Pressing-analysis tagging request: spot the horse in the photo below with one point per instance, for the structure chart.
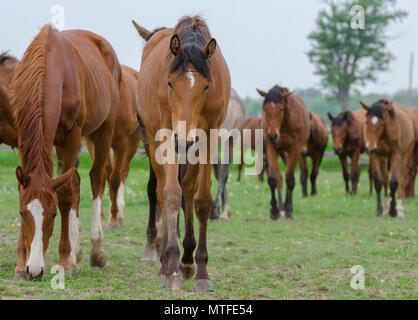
(411, 171)
(347, 134)
(317, 143)
(389, 134)
(235, 118)
(8, 133)
(183, 79)
(125, 140)
(286, 127)
(65, 87)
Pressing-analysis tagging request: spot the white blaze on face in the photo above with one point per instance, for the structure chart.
(273, 105)
(74, 236)
(375, 120)
(191, 78)
(121, 199)
(96, 225)
(36, 257)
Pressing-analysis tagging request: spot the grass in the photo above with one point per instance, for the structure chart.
(250, 257)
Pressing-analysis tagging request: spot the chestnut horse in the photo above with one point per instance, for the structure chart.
(8, 133)
(125, 140)
(286, 127)
(234, 120)
(347, 134)
(411, 171)
(389, 134)
(183, 78)
(317, 143)
(65, 87)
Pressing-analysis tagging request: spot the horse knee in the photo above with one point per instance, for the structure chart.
(203, 206)
(394, 184)
(290, 181)
(272, 181)
(172, 196)
(378, 184)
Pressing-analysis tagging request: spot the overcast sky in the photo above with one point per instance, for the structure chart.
(264, 41)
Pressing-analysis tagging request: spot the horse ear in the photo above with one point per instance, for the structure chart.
(388, 107)
(144, 33)
(22, 177)
(287, 94)
(330, 116)
(365, 106)
(64, 178)
(310, 115)
(262, 93)
(175, 45)
(209, 48)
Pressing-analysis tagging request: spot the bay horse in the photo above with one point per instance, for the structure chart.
(412, 164)
(389, 134)
(234, 120)
(348, 138)
(125, 140)
(317, 143)
(286, 127)
(65, 87)
(8, 133)
(183, 77)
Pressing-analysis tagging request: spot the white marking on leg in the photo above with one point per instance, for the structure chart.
(399, 209)
(96, 225)
(386, 206)
(36, 257)
(121, 200)
(74, 231)
(191, 78)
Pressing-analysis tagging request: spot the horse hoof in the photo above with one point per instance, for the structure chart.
(20, 276)
(149, 255)
(98, 260)
(214, 217)
(188, 270)
(203, 285)
(173, 282)
(274, 214)
(224, 217)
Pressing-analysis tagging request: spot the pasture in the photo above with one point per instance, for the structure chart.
(250, 256)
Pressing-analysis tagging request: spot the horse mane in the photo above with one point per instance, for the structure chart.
(343, 116)
(275, 94)
(154, 32)
(376, 108)
(194, 34)
(5, 56)
(28, 97)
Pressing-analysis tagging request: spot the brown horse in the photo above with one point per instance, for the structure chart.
(286, 127)
(183, 77)
(125, 140)
(8, 134)
(65, 87)
(411, 171)
(347, 134)
(317, 143)
(389, 134)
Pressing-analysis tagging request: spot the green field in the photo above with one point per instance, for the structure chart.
(250, 257)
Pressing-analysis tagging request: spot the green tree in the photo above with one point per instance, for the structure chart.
(346, 57)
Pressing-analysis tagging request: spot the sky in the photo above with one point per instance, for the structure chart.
(264, 42)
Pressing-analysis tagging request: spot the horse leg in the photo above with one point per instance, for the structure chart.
(316, 161)
(355, 171)
(101, 140)
(303, 175)
(187, 265)
(218, 169)
(370, 176)
(226, 213)
(343, 160)
(273, 179)
(290, 181)
(20, 273)
(377, 182)
(226, 210)
(203, 204)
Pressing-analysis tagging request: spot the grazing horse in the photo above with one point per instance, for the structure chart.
(235, 118)
(125, 140)
(389, 134)
(411, 171)
(286, 127)
(317, 143)
(347, 134)
(8, 134)
(183, 79)
(65, 87)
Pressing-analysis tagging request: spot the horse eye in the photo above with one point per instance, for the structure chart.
(206, 88)
(170, 84)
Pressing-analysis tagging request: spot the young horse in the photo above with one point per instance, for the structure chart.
(317, 143)
(183, 77)
(65, 87)
(389, 133)
(287, 127)
(411, 170)
(235, 118)
(347, 134)
(125, 140)
(8, 134)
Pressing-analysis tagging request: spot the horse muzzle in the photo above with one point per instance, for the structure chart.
(371, 151)
(274, 138)
(338, 151)
(34, 273)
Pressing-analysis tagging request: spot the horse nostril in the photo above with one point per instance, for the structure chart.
(338, 151)
(273, 138)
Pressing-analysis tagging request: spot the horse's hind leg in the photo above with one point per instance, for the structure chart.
(316, 162)
(355, 171)
(101, 140)
(218, 169)
(303, 175)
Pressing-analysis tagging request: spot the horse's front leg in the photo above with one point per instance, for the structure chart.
(303, 175)
(343, 160)
(217, 167)
(290, 180)
(396, 207)
(20, 273)
(355, 171)
(376, 162)
(274, 180)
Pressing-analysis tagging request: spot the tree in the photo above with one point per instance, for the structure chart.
(346, 57)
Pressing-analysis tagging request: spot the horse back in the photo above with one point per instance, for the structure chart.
(298, 124)
(319, 133)
(403, 132)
